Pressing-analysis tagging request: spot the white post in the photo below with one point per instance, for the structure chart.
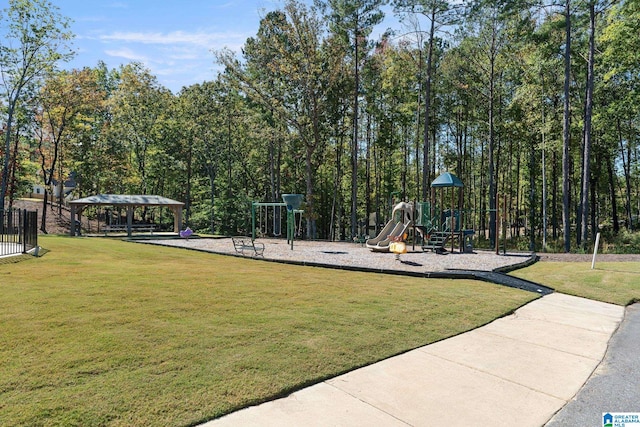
(595, 251)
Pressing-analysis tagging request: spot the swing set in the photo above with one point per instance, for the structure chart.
(267, 219)
(261, 216)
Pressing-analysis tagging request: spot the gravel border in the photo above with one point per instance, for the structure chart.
(354, 256)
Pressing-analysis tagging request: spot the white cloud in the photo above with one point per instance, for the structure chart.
(127, 54)
(117, 5)
(203, 39)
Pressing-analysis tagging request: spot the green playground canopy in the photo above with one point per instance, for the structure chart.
(447, 179)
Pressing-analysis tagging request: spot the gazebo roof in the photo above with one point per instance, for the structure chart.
(126, 200)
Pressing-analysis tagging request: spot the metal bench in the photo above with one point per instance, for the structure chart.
(245, 243)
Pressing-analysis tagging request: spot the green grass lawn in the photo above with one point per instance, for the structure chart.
(105, 332)
(614, 282)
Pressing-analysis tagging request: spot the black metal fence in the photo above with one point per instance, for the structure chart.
(18, 231)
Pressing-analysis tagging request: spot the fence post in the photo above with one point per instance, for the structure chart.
(23, 225)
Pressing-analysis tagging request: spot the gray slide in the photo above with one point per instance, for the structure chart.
(382, 235)
(393, 229)
(384, 239)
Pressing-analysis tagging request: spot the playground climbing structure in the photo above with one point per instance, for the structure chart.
(395, 230)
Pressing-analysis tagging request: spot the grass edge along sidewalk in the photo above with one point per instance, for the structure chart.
(612, 282)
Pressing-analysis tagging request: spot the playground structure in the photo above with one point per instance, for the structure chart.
(443, 227)
(453, 228)
(292, 204)
(436, 227)
(395, 229)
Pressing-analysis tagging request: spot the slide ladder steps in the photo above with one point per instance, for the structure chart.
(437, 241)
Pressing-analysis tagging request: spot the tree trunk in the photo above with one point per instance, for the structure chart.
(211, 170)
(554, 197)
(274, 180)
(310, 205)
(483, 189)
(427, 106)
(612, 191)
(47, 176)
(337, 200)
(566, 133)
(7, 154)
(368, 174)
(61, 181)
(354, 142)
(544, 186)
(586, 160)
(14, 166)
(419, 191)
(532, 198)
(626, 166)
(43, 218)
(493, 187)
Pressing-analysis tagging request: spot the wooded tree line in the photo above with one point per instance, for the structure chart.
(534, 105)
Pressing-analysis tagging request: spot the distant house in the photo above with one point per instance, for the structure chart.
(37, 191)
(68, 186)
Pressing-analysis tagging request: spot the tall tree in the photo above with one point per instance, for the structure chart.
(587, 137)
(97, 158)
(34, 37)
(204, 123)
(353, 21)
(566, 132)
(621, 55)
(302, 70)
(141, 109)
(67, 99)
(438, 13)
(485, 47)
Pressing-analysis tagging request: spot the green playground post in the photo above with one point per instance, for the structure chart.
(293, 202)
(290, 224)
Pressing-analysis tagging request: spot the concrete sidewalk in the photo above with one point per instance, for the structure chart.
(615, 385)
(516, 371)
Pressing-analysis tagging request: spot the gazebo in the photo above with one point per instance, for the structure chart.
(129, 202)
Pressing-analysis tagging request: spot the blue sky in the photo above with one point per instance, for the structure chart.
(173, 38)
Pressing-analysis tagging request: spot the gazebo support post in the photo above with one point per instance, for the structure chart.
(177, 219)
(72, 226)
(78, 220)
(76, 214)
(129, 219)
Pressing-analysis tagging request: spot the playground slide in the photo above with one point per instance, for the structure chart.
(394, 228)
(382, 235)
(383, 245)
